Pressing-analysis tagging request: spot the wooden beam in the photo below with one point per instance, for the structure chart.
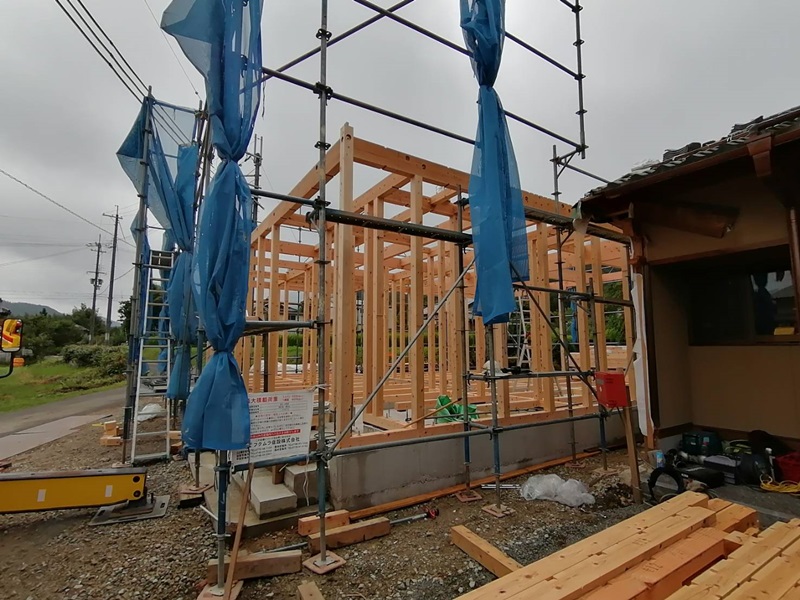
(353, 533)
(274, 306)
(415, 306)
(344, 323)
(259, 564)
(333, 520)
(490, 558)
(600, 317)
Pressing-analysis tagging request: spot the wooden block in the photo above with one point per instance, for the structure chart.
(492, 559)
(718, 504)
(735, 540)
(752, 531)
(351, 534)
(736, 518)
(592, 562)
(333, 520)
(209, 592)
(665, 573)
(308, 590)
(110, 428)
(111, 440)
(260, 564)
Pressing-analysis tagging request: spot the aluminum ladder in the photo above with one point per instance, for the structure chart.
(152, 374)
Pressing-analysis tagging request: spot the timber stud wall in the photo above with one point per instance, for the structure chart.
(399, 278)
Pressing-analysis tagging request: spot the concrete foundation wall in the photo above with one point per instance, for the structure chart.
(379, 476)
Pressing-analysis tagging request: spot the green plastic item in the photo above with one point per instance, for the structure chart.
(454, 412)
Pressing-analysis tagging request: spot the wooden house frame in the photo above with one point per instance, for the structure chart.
(398, 278)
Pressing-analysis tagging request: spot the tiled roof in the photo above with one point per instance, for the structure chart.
(695, 152)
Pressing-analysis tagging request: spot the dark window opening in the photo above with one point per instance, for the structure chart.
(742, 298)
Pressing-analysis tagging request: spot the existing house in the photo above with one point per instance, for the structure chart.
(716, 252)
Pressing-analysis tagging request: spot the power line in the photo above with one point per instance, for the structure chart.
(58, 204)
(171, 49)
(25, 260)
(119, 71)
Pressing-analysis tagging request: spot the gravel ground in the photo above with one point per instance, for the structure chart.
(57, 556)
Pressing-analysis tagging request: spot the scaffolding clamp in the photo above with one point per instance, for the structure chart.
(323, 33)
(320, 88)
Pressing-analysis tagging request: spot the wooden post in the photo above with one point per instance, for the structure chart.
(415, 316)
(480, 353)
(456, 336)
(344, 323)
(597, 287)
(274, 305)
(629, 332)
(392, 320)
(258, 312)
(432, 328)
(285, 336)
(443, 324)
(501, 357)
(402, 332)
(378, 316)
(544, 337)
(369, 308)
(579, 264)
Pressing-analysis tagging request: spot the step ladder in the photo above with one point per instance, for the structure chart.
(519, 343)
(150, 439)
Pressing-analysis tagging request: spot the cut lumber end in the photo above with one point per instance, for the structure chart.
(491, 558)
(351, 534)
(337, 518)
(308, 590)
(735, 518)
(259, 564)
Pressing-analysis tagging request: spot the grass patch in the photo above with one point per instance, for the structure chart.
(49, 381)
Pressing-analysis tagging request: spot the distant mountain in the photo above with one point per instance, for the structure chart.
(21, 309)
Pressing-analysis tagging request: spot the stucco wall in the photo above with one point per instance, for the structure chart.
(746, 387)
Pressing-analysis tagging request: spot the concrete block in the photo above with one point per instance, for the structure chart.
(302, 480)
(270, 499)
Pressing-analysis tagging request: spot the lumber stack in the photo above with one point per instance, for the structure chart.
(685, 549)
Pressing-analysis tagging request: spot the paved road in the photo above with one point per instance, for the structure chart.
(98, 403)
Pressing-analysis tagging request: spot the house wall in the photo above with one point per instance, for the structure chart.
(729, 387)
(746, 387)
(761, 223)
(670, 341)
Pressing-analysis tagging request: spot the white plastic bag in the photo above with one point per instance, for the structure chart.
(552, 487)
(150, 411)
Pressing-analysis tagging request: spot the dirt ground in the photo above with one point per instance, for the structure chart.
(55, 555)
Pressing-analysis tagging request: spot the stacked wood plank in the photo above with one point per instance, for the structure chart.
(685, 549)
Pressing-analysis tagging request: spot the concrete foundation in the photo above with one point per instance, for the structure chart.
(371, 478)
(302, 480)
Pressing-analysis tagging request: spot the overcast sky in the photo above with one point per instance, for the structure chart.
(659, 74)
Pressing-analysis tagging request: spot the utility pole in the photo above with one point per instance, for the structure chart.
(96, 283)
(116, 218)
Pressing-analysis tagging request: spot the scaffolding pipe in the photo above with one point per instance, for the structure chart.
(339, 38)
(593, 317)
(141, 228)
(400, 357)
(464, 339)
(322, 366)
(494, 431)
(223, 472)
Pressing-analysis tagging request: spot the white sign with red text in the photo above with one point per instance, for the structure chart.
(280, 426)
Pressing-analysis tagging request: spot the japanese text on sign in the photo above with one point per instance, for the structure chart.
(280, 426)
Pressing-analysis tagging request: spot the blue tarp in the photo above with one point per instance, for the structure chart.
(171, 162)
(222, 39)
(495, 197)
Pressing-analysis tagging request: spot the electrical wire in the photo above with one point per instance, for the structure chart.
(171, 49)
(58, 204)
(134, 81)
(25, 260)
(784, 487)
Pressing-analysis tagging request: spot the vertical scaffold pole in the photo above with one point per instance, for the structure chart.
(495, 432)
(322, 362)
(464, 337)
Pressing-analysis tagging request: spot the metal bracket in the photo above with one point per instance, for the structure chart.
(323, 89)
(323, 33)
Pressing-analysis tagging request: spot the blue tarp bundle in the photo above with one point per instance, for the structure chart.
(222, 39)
(168, 195)
(495, 197)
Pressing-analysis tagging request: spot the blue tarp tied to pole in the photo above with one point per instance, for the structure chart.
(495, 196)
(169, 190)
(222, 39)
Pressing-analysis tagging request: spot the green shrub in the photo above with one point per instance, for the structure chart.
(106, 361)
